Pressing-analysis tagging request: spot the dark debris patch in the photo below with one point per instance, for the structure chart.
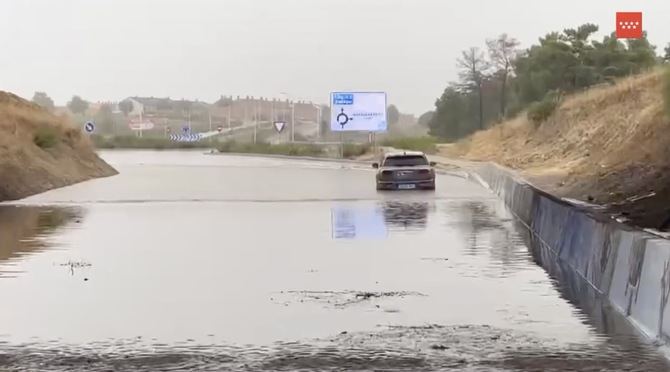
(338, 298)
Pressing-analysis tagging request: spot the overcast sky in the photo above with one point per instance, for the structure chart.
(111, 49)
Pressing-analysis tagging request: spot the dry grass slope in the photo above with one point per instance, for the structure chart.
(40, 151)
(608, 144)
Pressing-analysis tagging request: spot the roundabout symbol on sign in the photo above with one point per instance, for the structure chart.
(343, 118)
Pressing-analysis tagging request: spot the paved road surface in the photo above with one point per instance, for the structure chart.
(197, 262)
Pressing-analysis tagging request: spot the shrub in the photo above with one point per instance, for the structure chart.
(351, 150)
(135, 142)
(266, 148)
(425, 144)
(540, 111)
(45, 137)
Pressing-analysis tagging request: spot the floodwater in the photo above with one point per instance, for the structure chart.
(186, 261)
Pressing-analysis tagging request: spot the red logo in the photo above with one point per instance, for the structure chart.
(629, 25)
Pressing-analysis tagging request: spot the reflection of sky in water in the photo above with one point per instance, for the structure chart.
(358, 222)
(374, 221)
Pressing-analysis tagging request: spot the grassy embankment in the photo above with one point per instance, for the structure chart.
(40, 151)
(426, 144)
(609, 145)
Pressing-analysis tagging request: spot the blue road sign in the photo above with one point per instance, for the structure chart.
(89, 127)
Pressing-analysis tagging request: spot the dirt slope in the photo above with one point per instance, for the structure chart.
(608, 145)
(26, 168)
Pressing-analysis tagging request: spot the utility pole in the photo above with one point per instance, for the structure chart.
(189, 121)
(211, 137)
(318, 122)
(272, 112)
(229, 107)
(292, 121)
(255, 123)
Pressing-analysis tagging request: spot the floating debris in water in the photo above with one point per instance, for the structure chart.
(76, 265)
(342, 298)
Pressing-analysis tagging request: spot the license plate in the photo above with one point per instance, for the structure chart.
(407, 186)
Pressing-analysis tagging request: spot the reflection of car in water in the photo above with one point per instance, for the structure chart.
(406, 214)
(405, 170)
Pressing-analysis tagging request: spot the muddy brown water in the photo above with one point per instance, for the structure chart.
(186, 261)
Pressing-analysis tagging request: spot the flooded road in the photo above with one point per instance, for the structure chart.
(187, 261)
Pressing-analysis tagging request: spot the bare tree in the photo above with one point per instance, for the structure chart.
(502, 52)
(473, 65)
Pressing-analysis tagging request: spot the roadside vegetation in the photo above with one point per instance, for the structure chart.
(607, 145)
(540, 111)
(350, 150)
(266, 148)
(354, 150)
(501, 81)
(666, 88)
(426, 144)
(46, 137)
(135, 142)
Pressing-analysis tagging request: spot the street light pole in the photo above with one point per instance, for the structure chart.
(288, 100)
(318, 121)
(292, 122)
(256, 123)
(229, 106)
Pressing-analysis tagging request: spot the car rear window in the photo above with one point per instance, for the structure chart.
(405, 161)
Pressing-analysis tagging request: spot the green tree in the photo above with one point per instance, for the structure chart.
(43, 100)
(666, 57)
(126, 106)
(473, 66)
(393, 115)
(77, 105)
(641, 54)
(452, 119)
(425, 118)
(502, 52)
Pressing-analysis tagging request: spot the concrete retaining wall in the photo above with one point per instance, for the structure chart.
(629, 268)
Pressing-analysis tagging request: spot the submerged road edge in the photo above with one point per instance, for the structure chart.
(628, 267)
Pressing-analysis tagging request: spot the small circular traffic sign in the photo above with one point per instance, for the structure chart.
(342, 118)
(89, 127)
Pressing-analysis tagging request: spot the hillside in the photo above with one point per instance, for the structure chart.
(608, 146)
(40, 151)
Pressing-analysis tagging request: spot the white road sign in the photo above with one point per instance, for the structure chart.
(358, 111)
(135, 124)
(279, 126)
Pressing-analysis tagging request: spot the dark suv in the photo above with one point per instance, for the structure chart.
(405, 170)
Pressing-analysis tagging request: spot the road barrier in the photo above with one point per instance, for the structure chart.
(626, 267)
